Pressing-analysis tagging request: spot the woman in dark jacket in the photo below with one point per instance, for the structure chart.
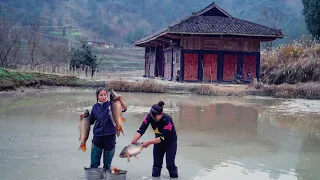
(104, 131)
(165, 141)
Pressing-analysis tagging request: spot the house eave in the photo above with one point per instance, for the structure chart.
(141, 43)
(231, 34)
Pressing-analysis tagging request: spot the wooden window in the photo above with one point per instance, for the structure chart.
(152, 59)
(167, 57)
(177, 58)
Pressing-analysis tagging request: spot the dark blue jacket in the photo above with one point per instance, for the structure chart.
(101, 117)
(164, 128)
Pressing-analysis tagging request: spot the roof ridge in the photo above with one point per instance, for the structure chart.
(178, 21)
(235, 19)
(211, 6)
(279, 30)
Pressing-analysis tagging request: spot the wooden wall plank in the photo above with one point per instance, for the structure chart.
(152, 63)
(176, 66)
(167, 63)
(217, 43)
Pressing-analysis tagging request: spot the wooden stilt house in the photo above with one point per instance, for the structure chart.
(209, 45)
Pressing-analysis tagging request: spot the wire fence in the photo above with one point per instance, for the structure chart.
(100, 74)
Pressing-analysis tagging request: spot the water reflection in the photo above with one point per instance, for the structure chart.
(309, 123)
(218, 137)
(230, 170)
(212, 115)
(268, 145)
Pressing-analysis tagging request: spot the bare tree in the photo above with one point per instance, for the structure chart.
(33, 42)
(273, 18)
(28, 44)
(54, 53)
(9, 36)
(15, 57)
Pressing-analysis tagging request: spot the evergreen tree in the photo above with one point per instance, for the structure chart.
(311, 12)
(85, 57)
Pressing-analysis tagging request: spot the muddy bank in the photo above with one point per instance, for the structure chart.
(301, 90)
(11, 80)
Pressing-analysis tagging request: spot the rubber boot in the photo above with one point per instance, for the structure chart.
(156, 172)
(173, 172)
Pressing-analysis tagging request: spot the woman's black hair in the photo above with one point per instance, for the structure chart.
(99, 90)
(157, 109)
(161, 103)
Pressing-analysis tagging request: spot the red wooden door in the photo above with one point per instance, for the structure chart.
(229, 66)
(210, 67)
(249, 65)
(190, 67)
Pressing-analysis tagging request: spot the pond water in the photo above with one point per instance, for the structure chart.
(218, 137)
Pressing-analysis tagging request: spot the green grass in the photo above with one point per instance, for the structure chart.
(118, 64)
(13, 79)
(16, 75)
(57, 33)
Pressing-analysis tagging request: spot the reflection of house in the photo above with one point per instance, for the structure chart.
(233, 140)
(240, 118)
(208, 45)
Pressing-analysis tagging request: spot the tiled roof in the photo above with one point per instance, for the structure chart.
(222, 23)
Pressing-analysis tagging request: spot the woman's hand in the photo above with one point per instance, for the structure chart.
(124, 106)
(135, 138)
(145, 144)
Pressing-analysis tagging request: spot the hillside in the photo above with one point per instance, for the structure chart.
(122, 21)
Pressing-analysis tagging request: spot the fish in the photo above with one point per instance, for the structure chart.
(131, 150)
(116, 111)
(84, 129)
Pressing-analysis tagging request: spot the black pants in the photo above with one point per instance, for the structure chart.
(170, 149)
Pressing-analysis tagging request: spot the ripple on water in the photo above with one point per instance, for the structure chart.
(232, 169)
(297, 106)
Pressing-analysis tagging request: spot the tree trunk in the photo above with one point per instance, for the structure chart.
(92, 72)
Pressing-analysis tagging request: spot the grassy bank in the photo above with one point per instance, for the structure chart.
(301, 90)
(10, 80)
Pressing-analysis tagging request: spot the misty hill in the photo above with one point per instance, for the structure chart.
(122, 21)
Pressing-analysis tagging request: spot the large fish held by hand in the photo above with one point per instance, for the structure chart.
(131, 150)
(116, 109)
(84, 130)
